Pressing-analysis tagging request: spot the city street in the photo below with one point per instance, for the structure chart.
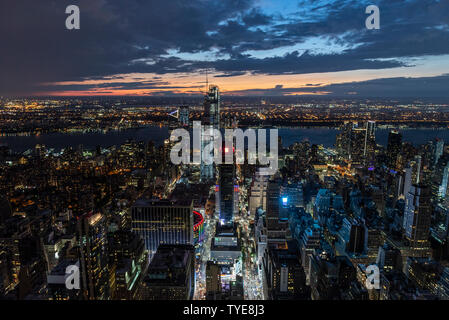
(252, 284)
(202, 256)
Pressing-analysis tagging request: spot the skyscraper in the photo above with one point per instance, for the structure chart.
(417, 216)
(127, 263)
(212, 106)
(257, 197)
(439, 178)
(343, 141)
(416, 169)
(285, 276)
(358, 144)
(439, 148)
(357, 141)
(407, 180)
(442, 188)
(210, 121)
(92, 242)
(276, 229)
(352, 236)
(226, 190)
(370, 142)
(163, 222)
(393, 148)
(213, 281)
(388, 258)
(184, 116)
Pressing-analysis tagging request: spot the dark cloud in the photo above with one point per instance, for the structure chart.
(424, 87)
(230, 74)
(296, 63)
(36, 46)
(256, 18)
(135, 36)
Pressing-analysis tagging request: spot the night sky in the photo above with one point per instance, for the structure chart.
(249, 47)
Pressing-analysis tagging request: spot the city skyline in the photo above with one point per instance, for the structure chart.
(224, 150)
(355, 220)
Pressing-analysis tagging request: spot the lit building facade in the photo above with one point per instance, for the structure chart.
(417, 216)
(163, 222)
(93, 252)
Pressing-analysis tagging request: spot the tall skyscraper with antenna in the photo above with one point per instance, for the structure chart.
(211, 120)
(417, 217)
(212, 107)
